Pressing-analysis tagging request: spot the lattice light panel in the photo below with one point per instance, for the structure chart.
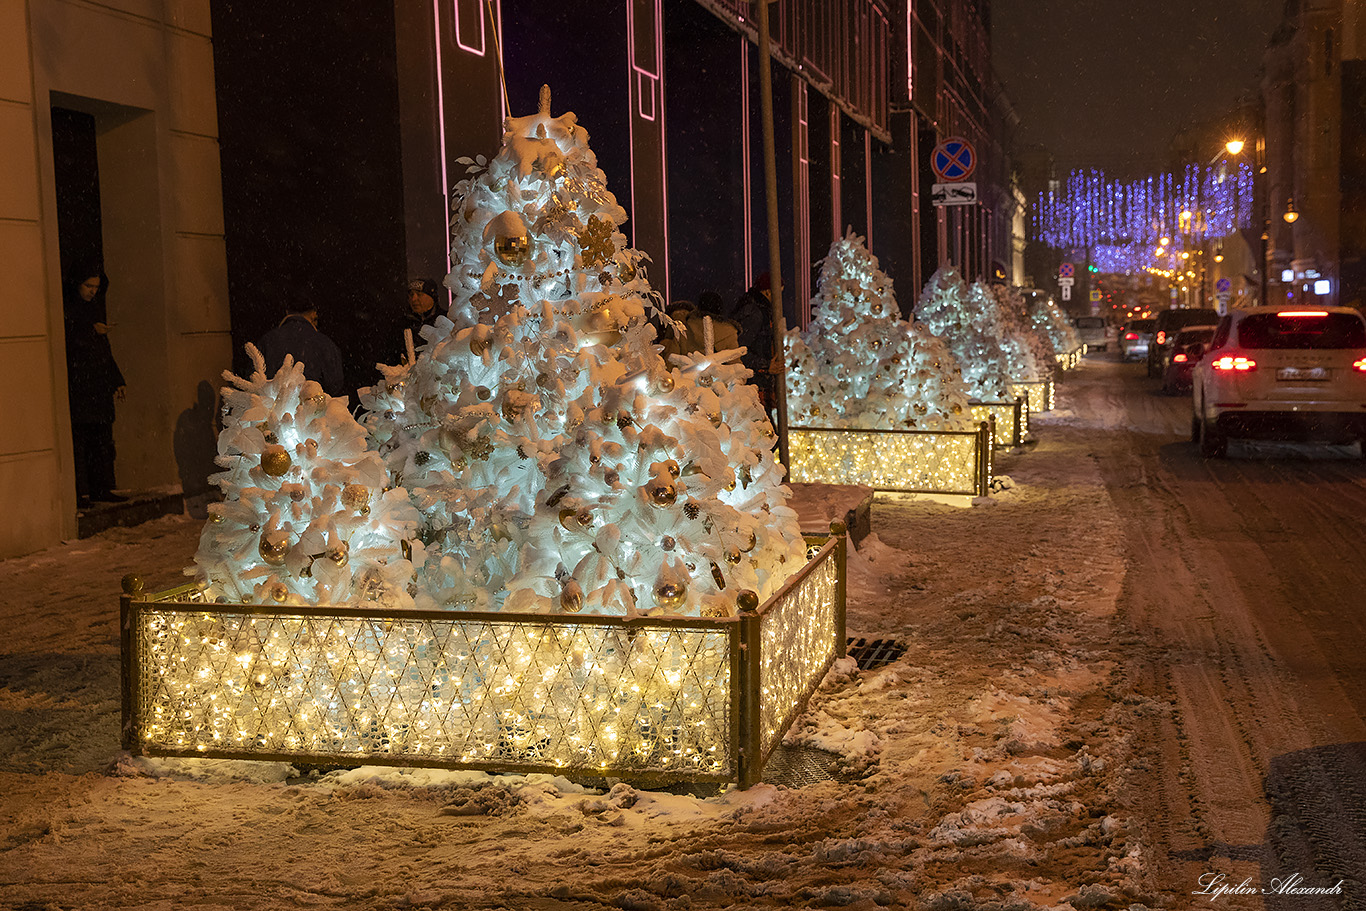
(907, 460)
(1012, 420)
(1038, 396)
(652, 697)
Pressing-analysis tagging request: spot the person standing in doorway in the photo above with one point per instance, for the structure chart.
(94, 384)
(298, 335)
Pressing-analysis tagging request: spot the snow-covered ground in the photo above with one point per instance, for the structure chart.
(985, 769)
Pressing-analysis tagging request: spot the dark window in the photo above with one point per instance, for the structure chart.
(1221, 332)
(1334, 330)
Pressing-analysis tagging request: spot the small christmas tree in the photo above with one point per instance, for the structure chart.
(559, 464)
(307, 515)
(968, 322)
(860, 365)
(1053, 327)
(1031, 358)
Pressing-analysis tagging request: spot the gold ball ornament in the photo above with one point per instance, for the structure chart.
(479, 449)
(478, 346)
(667, 542)
(279, 592)
(663, 495)
(275, 461)
(339, 553)
(511, 250)
(354, 496)
(273, 552)
(671, 595)
(132, 585)
(733, 556)
(715, 611)
(665, 384)
(571, 598)
(747, 601)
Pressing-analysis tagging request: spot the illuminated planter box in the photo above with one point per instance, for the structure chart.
(650, 699)
(1071, 359)
(1039, 396)
(1011, 419)
(914, 461)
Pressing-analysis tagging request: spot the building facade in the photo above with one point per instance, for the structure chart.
(109, 147)
(245, 154)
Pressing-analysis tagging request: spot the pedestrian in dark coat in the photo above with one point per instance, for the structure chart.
(298, 335)
(426, 301)
(94, 383)
(754, 314)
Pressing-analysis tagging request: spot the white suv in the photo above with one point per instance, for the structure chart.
(1282, 373)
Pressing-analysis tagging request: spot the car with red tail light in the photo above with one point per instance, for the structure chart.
(1284, 373)
(1134, 338)
(1187, 349)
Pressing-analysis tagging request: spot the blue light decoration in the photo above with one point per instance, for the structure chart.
(1123, 222)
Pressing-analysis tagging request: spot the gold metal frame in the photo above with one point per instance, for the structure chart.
(980, 468)
(746, 748)
(1011, 420)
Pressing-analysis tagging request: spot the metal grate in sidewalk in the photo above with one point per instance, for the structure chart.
(873, 654)
(797, 767)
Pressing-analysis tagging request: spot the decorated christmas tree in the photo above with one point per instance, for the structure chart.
(1053, 326)
(1030, 357)
(859, 364)
(558, 463)
(307, 515)
(968, 321)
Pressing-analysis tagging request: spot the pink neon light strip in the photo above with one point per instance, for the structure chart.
(745, 182)
(441, 126)
(460, 38)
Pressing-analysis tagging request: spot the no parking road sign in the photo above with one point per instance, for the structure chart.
(1066, 270)
(954, 160)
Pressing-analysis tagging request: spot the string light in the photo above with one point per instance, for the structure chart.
(1129, 219)
(915, 461)
(536, 691)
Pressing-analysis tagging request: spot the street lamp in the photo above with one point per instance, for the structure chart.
(1234, 146)
(1290, 213)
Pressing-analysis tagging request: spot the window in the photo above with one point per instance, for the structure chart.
(1332, 330)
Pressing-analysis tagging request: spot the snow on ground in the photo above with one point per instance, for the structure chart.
(986, 768)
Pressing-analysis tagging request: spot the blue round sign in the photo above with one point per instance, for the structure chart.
(1222, 285)
(954, 160)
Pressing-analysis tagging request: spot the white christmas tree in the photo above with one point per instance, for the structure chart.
(307, 515)
(859, 364)
(558, 462)
(1031, 358)
(1053, 326)
(968, 322)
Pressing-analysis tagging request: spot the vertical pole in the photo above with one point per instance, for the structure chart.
(775, 259)
(985, 435)
(129, 667)
(750, 770)
(837, 531)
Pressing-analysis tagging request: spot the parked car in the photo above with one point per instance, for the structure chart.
(1094, 331)
(1282, 373)
(1165, 326)
(1189, 347)
(1134, 337)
